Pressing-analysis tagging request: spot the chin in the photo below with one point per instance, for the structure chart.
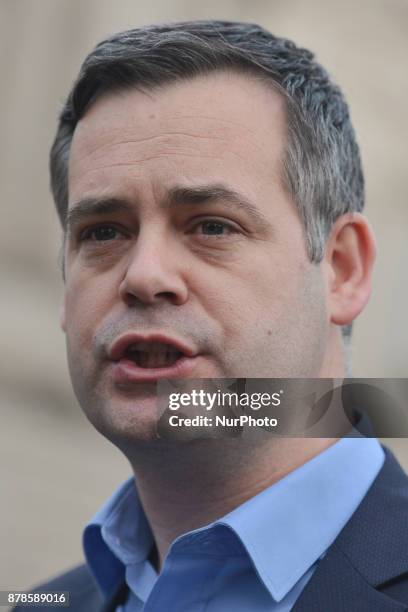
(124, 417)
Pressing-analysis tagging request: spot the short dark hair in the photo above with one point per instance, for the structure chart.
(322, 167)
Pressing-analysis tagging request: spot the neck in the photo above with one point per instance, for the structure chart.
(186, 486)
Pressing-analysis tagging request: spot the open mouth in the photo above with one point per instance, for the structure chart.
(152, 354)
(135, 358)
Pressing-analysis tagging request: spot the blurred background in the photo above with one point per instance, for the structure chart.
(55, 470)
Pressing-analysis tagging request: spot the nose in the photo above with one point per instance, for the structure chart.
(153, 273)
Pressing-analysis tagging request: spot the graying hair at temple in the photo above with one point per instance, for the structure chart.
(322, 167)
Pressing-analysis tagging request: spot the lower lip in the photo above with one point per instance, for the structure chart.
(126, 371)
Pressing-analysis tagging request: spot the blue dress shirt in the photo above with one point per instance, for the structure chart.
(259, 557)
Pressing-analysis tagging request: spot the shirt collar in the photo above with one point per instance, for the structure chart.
(117, 535)
(289, 526)
(284, 529)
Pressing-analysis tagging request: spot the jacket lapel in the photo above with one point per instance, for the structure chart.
(370, 551)
(337, 587)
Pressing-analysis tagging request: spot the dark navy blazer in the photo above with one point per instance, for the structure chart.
(364, 570)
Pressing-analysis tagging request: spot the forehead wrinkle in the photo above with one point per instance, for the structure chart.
(156, 136)
(148, 139)
(87, 165)
(166, 136)
(163, 142)
(131, 163)
(210, 133)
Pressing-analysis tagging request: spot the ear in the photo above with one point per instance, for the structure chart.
(348, 261)
(62, 316)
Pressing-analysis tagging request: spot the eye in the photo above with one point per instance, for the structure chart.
(100, 233)
(215, 227)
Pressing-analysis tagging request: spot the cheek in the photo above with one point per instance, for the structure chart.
(264, 298)
(86, 302)
(264, 287)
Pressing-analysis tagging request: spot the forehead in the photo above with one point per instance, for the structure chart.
(227, 125)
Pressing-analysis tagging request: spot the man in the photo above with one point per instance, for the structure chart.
(209, 185)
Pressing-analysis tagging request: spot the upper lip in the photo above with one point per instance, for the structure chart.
(119, 347)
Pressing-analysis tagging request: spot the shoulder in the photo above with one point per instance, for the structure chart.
(366, 567)
(78, 581)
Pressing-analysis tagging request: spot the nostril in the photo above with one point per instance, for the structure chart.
(150, 286)
(168, 295)
(133, 300)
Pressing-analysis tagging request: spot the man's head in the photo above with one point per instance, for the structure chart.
(221, 182)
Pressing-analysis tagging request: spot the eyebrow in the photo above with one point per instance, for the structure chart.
(177, 196)
(210, 194)
(89, 207)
